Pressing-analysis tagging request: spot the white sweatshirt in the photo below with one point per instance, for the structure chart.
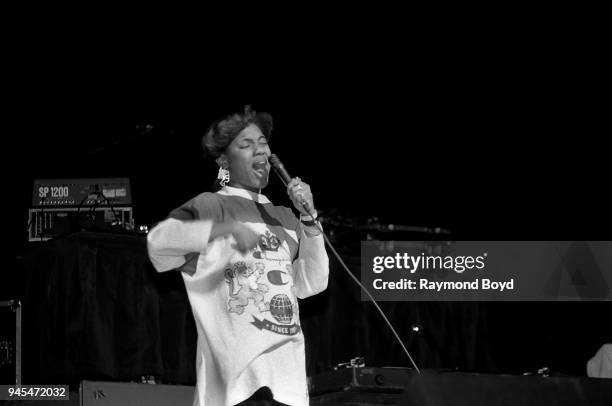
(245, 306)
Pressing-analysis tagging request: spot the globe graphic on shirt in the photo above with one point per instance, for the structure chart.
(281, 308)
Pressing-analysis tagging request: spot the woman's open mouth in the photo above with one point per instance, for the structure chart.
(261, 168)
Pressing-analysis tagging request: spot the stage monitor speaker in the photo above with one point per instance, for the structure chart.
(463, 389)
(359, 386)
(94, 393)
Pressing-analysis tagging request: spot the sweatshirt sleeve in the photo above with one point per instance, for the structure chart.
(185, 232)
(311, 265)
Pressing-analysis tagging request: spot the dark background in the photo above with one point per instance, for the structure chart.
(494, 139)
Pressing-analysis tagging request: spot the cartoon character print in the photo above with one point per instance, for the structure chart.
(244, 286)
(267, 282)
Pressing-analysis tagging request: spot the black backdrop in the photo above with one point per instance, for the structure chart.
(495, 139)
(94, 308)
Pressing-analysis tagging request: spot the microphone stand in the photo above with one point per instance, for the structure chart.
(365, 290)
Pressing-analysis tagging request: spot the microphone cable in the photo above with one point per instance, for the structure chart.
(275, 161)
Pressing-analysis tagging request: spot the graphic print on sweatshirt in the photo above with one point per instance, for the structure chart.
(261, 287)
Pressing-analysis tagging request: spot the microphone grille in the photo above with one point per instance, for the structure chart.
(275, 161)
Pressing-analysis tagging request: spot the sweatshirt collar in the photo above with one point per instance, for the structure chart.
(234, 191)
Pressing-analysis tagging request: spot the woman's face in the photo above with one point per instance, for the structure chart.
(247, 159)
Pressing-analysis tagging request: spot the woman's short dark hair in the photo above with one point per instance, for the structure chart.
(221, 133)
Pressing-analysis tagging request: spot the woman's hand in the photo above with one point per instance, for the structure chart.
(300, 195)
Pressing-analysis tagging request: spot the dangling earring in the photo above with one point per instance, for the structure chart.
(223, 176)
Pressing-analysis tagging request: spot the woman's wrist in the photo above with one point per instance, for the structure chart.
(309, 219)
(310, 224)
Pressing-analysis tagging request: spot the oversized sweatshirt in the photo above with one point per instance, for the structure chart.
(245, 306)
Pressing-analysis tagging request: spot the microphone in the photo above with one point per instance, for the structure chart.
(280, 170)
